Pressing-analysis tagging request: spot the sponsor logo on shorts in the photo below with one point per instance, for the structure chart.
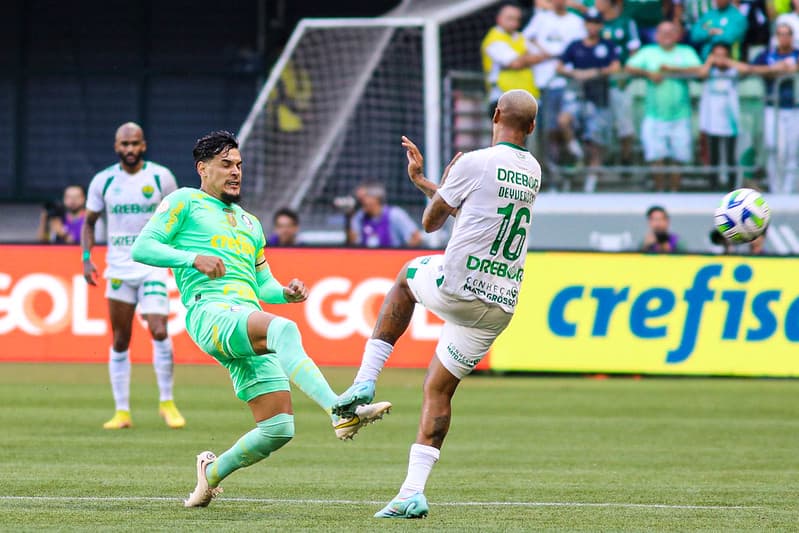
(458, 356)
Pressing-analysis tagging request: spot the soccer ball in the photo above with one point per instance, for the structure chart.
(743, 216)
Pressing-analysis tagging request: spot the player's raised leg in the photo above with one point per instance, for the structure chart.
(392, 321)
(259, 380)
(121, 315)
(284, 338)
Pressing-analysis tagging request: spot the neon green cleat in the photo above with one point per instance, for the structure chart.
(358, 394)
(346, 428)
(120, 420)
(169, 412)
(414, 506)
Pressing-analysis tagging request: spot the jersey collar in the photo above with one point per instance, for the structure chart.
(514, 146)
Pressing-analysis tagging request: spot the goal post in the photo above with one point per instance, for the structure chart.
(335, 103)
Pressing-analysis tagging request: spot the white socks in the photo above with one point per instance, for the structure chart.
(421, 461)
(119, 372)
(375, 355)
(162, 363)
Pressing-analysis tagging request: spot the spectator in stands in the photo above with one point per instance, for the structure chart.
(589, 62)
(758, 25)
(659, 239)
(507, 58)
(285, 228)
(791, 19)
(692, 11)
(719, 110)
(379, 225)
(622, 31)
(61, 222)
(724, 24)
(648, 14)
(666, 129)
(550, 32)
(780, 130)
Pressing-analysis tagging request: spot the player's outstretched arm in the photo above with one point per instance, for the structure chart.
(416, 168)
(151, 246)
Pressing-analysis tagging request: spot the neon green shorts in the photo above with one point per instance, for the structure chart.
(220, 330)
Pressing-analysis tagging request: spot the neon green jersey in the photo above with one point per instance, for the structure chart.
(189, 222)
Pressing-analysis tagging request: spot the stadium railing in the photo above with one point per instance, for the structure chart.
(466, 126)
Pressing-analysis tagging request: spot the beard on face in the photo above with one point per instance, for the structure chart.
(230, 198)
(124, 158)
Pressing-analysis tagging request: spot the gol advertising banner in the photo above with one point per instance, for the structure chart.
(49, 313)
(628, 313)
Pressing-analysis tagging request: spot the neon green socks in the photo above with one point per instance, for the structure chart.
(283, 337)
(268, 436)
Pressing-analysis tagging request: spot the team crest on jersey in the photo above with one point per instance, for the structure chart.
(247, 222)
(148, 191)
(231, 217)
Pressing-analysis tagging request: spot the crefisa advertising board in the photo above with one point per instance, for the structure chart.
(577, 312)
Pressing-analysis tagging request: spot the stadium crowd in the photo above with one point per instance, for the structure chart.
(584, 60)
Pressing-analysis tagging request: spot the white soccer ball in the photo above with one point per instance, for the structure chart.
(743, 216)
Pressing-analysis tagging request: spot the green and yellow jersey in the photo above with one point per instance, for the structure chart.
(190, 222)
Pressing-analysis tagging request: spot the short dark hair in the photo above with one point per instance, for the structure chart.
(655, 209)
(213, 144)
(286, 212)
(726, 46)
(76, 186)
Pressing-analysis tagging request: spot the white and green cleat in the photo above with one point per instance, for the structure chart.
(358, 394)
(414, 506)
(346, 428)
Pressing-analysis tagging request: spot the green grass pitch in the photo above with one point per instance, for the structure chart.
(523, 454)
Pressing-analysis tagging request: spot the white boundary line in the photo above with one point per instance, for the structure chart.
(369, 502)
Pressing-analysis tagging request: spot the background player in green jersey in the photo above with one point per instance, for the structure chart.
(216, 249)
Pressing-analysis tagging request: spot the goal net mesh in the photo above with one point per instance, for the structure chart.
(334, 108)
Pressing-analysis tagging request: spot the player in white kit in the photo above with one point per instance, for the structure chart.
(128, 193)
(473, 287)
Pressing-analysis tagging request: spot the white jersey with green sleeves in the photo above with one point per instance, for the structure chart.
(128, 201)
(194, 221)
(494, 190)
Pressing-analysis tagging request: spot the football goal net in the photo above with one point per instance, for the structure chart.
(343, 91)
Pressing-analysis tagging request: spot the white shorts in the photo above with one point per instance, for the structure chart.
(621, 103)
(470, 326)
(664, 139)
(149, 293)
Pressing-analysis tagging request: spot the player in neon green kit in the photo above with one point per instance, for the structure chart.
(216, 250)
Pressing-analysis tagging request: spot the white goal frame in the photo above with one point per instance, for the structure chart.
(406, 15)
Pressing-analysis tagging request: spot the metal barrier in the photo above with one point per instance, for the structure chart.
(467, 126)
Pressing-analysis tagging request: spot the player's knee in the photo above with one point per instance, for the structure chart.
(278, 430)
(284, 331)
(158, 332)
(121, 341)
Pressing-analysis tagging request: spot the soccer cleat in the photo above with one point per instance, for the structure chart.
(120, 420)
(414, 506)
(169, 412)
(357, 394)
(346, 428)
(203, 494)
